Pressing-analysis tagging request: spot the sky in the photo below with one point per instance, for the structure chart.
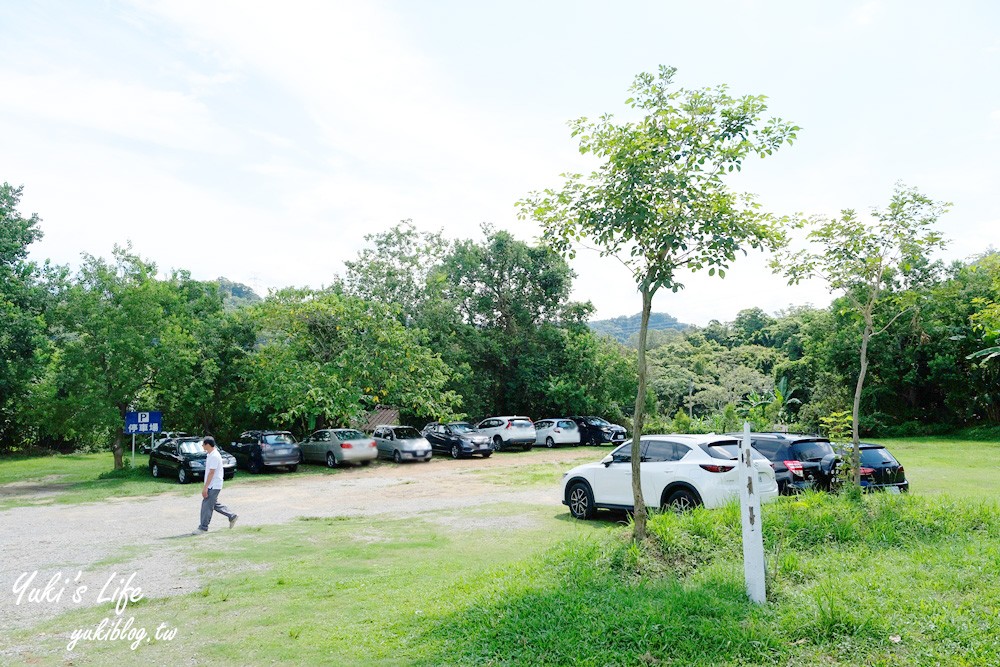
(262, 141)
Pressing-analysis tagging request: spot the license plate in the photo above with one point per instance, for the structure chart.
(279, 452)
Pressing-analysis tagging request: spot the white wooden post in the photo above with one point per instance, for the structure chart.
(753, 537)
(133, 450)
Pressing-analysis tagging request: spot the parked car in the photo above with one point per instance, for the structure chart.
(597, 431)
(402, 443)
(259, 450)
(552, 432)
(677, 471)
(458, 439)
(163, 437)
(507, 431)
(880, 470)
(184, 458)
(800, 461)
(334, 446)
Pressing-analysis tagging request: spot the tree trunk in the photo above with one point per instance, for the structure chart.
(116, 448)
(856, 452)
(640, 407)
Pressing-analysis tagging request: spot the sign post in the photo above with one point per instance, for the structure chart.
(143, 423)
(753, 536)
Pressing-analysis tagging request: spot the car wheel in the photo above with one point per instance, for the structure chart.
(487, 455)
(455, 452)
(527, 448)
(549, 442)
(497, 443)
(366, 463)
(255, 465)
(681, 500)
(182, 476)
(293, 468)
(580, 499)
(331, 460)
(154, 470)
(396, 456)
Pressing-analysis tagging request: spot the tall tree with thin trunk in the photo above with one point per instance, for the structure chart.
(867, 259)
(659, 201)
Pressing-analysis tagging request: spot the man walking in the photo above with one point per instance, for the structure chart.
(213, 486)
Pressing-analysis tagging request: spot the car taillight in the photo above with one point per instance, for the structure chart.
(715, 467)
(264, 445)
(866, 471)
(346, 445)
(373, 444)
(795, 467)
(508, 425)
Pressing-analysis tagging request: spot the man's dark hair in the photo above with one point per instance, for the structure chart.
(209, 440)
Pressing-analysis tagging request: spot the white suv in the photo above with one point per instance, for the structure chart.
(552, 432)
(507, 431)
(678, 471)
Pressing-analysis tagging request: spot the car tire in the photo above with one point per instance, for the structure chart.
(455, 452)
(366, 463)
(580, 500)
(154, 470)
(182, 476)
(487, 455)
(549, 442)
(331, 460)
(293, 468)
(396, 457)
(527, 448)
(497, 443)
(681, 500)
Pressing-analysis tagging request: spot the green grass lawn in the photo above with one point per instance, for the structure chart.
(943, 465)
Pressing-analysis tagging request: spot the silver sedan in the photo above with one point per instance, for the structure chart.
(402, 443)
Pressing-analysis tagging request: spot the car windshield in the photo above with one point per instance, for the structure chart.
(597, 421)
(729, 451)
(406, 433)
(279, 439)
(348, 434)
(460, 427)
(812, 450)
(876, 455)
(521, 423)
(190, 447)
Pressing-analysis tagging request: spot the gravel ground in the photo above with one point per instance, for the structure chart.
(113, 539)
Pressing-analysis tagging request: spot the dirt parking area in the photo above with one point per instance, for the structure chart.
(148, 535)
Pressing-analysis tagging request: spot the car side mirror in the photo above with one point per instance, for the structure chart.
(607, 460)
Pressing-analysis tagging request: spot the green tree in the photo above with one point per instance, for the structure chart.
(659, 201)
(867, 261)
(21, 303)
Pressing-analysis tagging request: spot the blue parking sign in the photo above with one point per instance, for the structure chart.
(143, 422)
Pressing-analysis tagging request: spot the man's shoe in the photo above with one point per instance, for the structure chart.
(200, 531)
(232, 520)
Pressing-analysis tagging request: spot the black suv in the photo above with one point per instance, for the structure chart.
(258, 450)
(597, 431)
(800, 461)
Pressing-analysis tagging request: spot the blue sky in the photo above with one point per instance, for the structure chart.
(262, 141)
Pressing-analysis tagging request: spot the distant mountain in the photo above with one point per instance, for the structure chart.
(236, 295)
(624, 327)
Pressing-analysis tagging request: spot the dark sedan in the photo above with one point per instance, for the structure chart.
(880, 471)
(458, 439)
(184, 459)
(597, 431)
(800, 461)
(259, 450)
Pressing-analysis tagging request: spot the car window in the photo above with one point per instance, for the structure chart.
(539, 425)
(624, 453)
(730, 451)
(811, 450)
(405, 433)
(662, 450)
(520, 423)
(191, 447)
(567, 424)
(768, 448)
(460, 427)
(279, 439)
(875, 456)
(348, 434)
(597, 421)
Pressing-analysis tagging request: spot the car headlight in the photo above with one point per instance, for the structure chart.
(197, 464)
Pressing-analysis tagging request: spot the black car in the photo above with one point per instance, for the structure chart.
(800, 461)
(184, 458)
(597, 431)
(258, 450)
(880, 470)
(457, 439)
